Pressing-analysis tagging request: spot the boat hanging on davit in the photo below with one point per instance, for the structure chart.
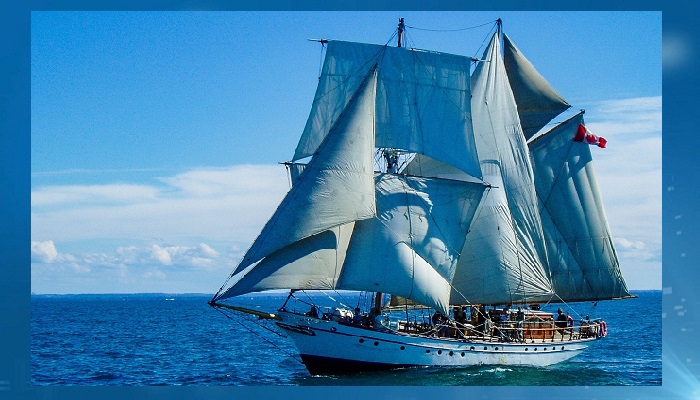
(424, 186)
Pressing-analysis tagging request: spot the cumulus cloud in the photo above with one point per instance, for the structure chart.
(46, 252)
(200, 256)
(134, 268)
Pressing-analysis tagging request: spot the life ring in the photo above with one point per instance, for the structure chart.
(603, 331)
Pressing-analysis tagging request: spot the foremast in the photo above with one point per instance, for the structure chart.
(410, 243)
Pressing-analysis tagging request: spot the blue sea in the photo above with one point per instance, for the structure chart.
(166, 339)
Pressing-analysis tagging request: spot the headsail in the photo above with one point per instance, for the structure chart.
(537, 100)
(582, 256)
(504, 257)
(335, 188)
(422, 102)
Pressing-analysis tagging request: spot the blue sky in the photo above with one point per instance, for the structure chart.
(156, 136)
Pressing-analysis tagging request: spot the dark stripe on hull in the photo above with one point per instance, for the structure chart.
(319, 365)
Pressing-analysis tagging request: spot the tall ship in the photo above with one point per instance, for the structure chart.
(426, 188)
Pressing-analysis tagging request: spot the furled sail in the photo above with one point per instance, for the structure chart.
(411, 248)
(335, 188)
(537, 100)
(422, 101)
(504, 257)
(583, 261)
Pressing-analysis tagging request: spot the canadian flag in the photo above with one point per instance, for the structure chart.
(584, 135)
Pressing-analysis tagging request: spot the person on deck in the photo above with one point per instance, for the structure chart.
(585, 329)
(488, 324)
(461, 319)
(561, 322)
(313, 312)
(520, 318)
(358, 318)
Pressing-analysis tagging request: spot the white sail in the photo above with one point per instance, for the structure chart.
(422, 102)
(311, 263)
(295, 169)
(537, 100)
(583, 261)
(411, 248)
(335, 188)
(504, 257)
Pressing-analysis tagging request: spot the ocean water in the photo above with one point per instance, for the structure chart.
(161, 339)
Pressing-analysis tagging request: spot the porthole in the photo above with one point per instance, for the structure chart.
(451, 353)
(472, 348)
(554, 348)
(403, 347)
(427, 351)
(362, 340)
(439, 351)
(562, 347)
(526, 349)
(496, 348)
(486, 348)
(376, 343)
(535, 348)
(463, 353)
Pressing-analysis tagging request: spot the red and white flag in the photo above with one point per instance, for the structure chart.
(584, 135)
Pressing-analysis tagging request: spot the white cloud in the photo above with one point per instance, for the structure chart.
(252, 179)
(46, 252)
(637, 116)
(629, 244)
(200, 256)
(228, 205)
(128, 269)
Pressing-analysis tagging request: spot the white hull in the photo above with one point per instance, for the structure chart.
(332, 347)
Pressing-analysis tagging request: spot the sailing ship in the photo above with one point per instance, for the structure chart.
(425, 185)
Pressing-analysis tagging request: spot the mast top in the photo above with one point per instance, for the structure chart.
(401, 31)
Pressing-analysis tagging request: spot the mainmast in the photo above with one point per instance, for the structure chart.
(379, 299)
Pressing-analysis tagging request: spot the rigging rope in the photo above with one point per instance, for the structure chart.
(451, 30)
(292, 355)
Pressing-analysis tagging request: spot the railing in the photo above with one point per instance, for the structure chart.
(531, 331)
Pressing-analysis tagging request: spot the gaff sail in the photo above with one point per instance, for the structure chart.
(583, 260)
